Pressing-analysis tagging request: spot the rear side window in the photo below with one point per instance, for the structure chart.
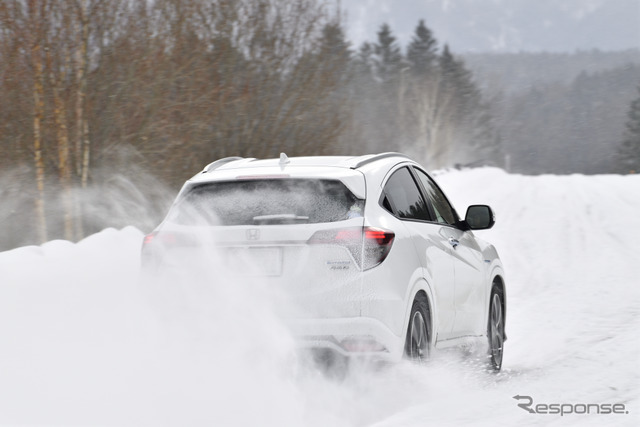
(401, 190)
(270, 201)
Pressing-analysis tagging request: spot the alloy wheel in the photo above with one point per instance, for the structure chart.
(419, 346)
(496, 331)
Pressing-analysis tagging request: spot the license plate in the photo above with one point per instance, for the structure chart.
(255, 261)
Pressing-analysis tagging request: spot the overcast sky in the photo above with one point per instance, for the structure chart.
(502, 25)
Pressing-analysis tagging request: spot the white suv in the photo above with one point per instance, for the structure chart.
(369, 249)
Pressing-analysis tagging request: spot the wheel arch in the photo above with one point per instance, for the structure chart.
(421, 290)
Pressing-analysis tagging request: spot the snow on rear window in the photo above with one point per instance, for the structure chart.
(264, 202)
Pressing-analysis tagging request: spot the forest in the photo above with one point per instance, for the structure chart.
(562, 113)
(108, 106)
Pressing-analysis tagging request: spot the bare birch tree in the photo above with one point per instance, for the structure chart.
(36, 15)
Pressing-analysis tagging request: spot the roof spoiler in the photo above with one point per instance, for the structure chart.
(375, 157)
(215, 165)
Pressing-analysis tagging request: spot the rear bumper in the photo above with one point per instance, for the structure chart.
(358, 337)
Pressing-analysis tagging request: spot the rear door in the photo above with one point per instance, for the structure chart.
(407, 203)
(467, 259)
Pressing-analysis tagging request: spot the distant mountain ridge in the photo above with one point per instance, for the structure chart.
(559, 113)
(514, 73)
(504, 25)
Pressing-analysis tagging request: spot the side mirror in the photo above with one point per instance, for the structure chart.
(479, 217)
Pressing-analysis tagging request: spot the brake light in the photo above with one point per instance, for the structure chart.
(157, 244)
(369, 246)
(149, 238)
(168, 239)
(381, 237)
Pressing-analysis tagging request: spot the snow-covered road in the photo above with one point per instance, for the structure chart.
(79, 344)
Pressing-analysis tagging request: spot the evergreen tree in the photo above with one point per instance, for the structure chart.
(422, 51)
(457, 84)
(363, 61)
(388, 59)
(333, 41)
(630, 149)
(472, 122)
(323, 74)
(364, 93)
(335, 50)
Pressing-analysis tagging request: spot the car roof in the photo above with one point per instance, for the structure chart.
(351, 170)
(331, 161)
(350, 162)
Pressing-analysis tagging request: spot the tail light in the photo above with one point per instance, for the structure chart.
(369, 246)
(168, 239)
(149, 238)
(155, 244)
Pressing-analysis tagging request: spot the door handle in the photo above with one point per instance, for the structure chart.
(454, 242)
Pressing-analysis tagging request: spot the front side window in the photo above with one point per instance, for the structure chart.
(443, 210)
(403, 193)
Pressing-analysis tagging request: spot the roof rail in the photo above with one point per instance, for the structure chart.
(215, 165)
(377, 157)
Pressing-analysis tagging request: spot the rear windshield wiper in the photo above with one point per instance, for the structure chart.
(280, 219)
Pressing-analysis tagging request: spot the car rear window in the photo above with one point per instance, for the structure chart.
(268, 201)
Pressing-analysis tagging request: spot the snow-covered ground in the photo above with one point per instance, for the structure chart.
(80, 343)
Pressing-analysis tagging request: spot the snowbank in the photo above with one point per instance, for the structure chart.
(80, 343)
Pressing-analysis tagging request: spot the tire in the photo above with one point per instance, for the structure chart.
(418, 342)
(495, 329)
